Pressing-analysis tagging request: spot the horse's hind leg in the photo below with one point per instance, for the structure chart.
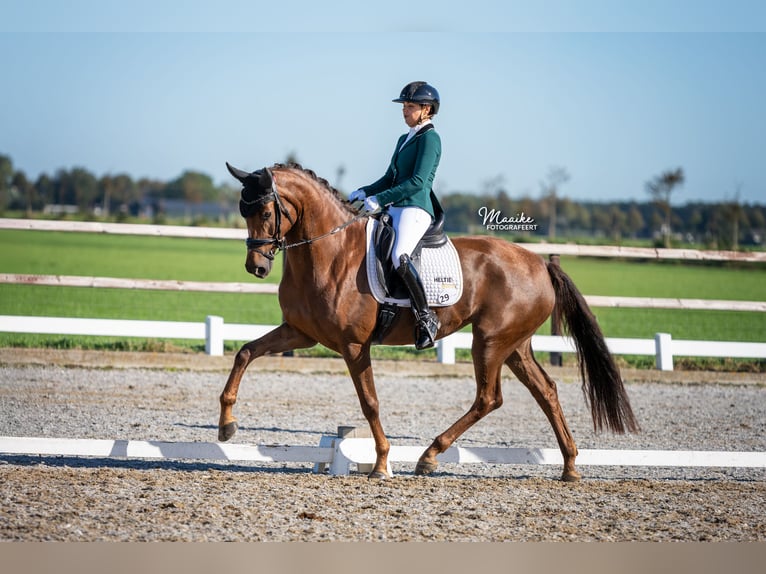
(487, 366)
(283, 338)
(524, 365)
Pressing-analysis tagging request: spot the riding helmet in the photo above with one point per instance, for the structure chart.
(420, 93)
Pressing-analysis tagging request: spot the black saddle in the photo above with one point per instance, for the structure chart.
(384, 238)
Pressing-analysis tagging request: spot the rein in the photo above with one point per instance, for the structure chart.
(277, 240)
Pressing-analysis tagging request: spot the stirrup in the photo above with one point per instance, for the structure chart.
(425, 331)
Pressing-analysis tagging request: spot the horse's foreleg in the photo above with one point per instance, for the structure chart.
(360, 367)
(489, 397)
(524, 365)
(283, 338)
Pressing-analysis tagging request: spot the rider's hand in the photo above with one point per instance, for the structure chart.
(371, 205)
(357, 195)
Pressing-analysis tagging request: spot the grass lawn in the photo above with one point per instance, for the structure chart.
(87, 254)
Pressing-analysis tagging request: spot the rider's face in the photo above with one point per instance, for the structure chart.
(414, 113)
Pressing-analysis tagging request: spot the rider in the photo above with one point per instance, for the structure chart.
(405, 192)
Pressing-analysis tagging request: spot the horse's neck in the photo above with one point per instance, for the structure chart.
(321, 217)
(327, 264)
(326, 251)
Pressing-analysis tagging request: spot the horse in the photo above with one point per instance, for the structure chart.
(508, 292)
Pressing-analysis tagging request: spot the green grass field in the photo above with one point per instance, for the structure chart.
(87, 254)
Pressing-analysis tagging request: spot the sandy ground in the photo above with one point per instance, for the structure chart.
(296, 401)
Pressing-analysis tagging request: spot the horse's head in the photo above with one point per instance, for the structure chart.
(262, 209)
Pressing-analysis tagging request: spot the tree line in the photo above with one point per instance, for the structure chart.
(709, 225)
(117, 195)
(717, 225)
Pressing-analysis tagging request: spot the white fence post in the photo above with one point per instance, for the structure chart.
(214, 335)
(340, 464)
(445, 351)
(664, 351)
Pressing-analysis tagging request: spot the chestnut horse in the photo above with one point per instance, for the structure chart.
(325, 298)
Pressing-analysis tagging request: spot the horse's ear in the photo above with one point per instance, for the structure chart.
(238, 173)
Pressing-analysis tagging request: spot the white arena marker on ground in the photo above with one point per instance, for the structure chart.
(347, 451)
(162, 450)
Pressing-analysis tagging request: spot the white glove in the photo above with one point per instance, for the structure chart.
(357, 195)
(371, 205)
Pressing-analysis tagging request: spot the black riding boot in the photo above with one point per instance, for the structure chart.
(427, 322)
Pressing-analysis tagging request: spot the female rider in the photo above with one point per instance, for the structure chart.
(405, 192)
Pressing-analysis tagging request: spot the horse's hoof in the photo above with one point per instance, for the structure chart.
(227, 431)
(377, 475)
(423, 467)
(571, 476)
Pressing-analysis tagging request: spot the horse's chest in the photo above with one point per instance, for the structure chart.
(297, 302)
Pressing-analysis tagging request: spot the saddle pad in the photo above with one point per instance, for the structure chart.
(439, 270)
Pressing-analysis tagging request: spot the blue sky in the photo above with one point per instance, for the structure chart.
(614, 92)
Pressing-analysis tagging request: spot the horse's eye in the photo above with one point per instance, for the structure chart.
(266, 215)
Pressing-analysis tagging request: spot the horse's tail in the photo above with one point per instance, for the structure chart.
(601, 381)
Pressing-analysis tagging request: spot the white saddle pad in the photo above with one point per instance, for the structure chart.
(440, 273)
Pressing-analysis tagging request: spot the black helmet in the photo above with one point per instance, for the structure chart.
(420, 93)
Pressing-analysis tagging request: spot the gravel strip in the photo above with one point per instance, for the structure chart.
(68, 499)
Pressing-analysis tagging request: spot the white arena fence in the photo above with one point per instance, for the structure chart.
(214, 331)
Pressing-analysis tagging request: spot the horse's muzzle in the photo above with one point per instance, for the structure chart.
(260, 268)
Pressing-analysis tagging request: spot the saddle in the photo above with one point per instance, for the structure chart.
(435, 259)
(383, 241)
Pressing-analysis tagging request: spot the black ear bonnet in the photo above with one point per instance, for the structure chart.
(257, 189)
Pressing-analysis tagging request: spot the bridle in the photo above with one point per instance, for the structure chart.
(277, 241)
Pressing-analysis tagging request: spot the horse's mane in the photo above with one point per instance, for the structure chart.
(324, 184)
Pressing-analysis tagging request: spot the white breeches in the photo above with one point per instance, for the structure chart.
(410, 224)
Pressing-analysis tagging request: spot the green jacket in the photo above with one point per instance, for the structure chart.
(410, 176)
